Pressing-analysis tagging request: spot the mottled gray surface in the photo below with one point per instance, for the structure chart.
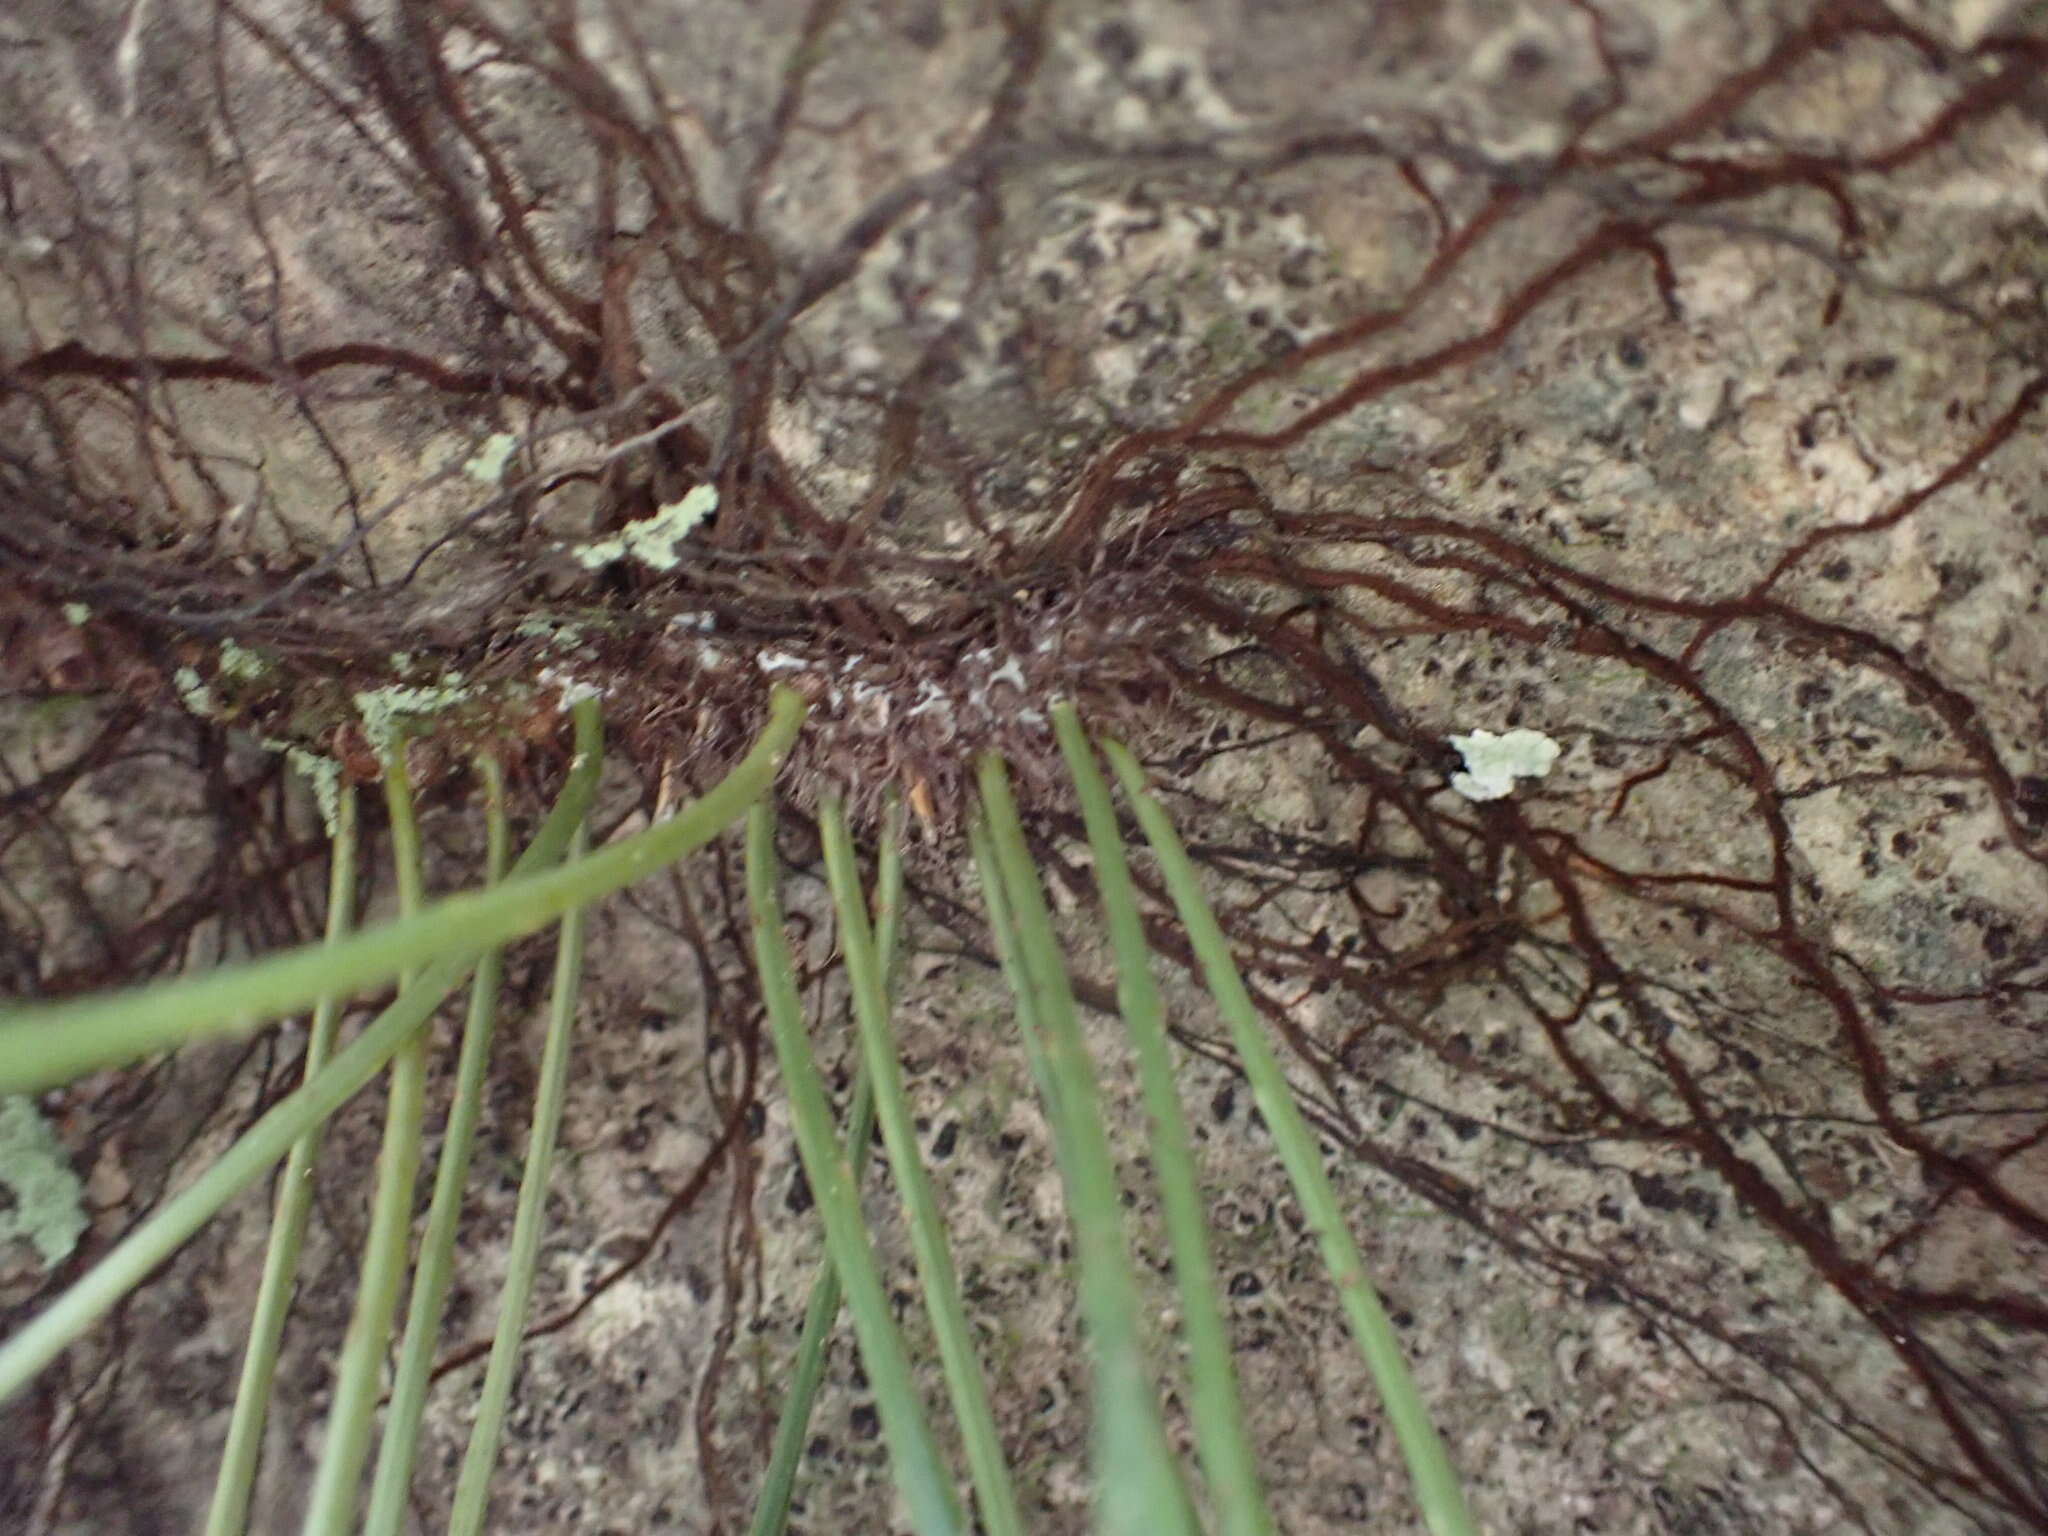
(1611, 1339)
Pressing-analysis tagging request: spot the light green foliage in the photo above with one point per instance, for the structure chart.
(653, 540)
(76, 614)
(1142, 1483)
(47, 1209)
(238, 664)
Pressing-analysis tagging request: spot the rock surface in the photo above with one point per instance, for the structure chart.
(1664, 377)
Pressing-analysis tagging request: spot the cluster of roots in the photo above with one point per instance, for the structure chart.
(912, 715)
(1184, 598)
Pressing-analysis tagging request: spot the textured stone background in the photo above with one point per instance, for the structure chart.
(1612, 1338)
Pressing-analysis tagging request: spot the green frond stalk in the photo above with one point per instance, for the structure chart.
(358, 1374)
(436, 1266)
(1436, 1484)
(922, 1478)
(821, 1312)
(527, 900)
(529, 1224)
(1228, 1460)
(1138, 1491)
(229, 1511)
(943, 1303)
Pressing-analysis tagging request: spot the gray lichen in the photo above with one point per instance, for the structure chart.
(47, 1210)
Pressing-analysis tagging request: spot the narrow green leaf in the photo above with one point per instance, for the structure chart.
(529, 1224)
(1137, 1481)
(358, 1373)
(1436, 1483)
(920, 1471)
(1230, 1465)
(229, 1512)
(1009, 958)
(948, 1313)
(392, 1480)
(821, 1314)
(47, 1044)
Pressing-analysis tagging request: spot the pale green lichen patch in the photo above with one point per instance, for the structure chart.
(652, 541)
(487, 464)
(559, 633)
(241, 663)
(387, 711)
(76, 614)
(193, 692)
(572, 689)
(324, 774)
(47, 1210)
(1493, 763)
